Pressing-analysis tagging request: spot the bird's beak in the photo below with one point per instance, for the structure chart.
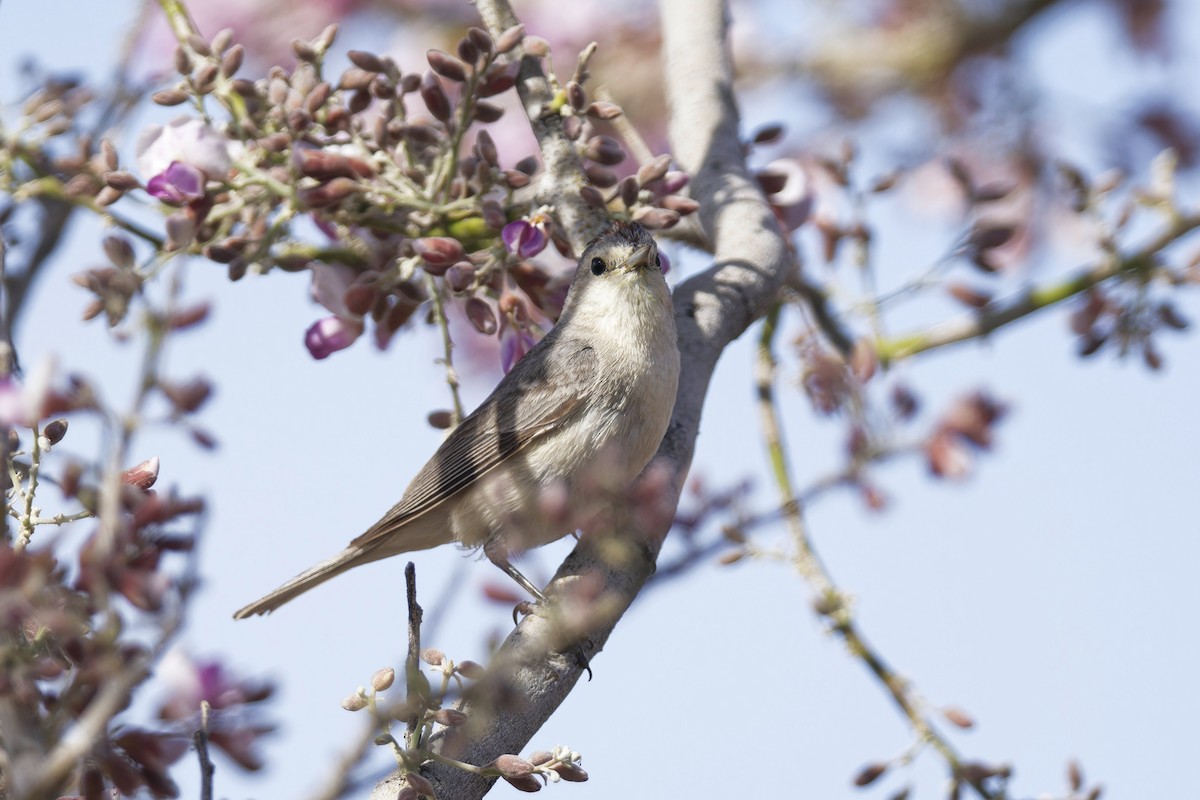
(642, 258)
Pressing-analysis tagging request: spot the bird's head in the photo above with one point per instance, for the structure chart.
(619, 267)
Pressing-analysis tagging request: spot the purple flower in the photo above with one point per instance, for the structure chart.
(515, 341)
(326, 336)
(179, 157)
(664, 263)
(523, 238)
(178, 183)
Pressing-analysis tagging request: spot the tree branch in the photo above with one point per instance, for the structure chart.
(563, 176)
(999, 314)
(530, 677)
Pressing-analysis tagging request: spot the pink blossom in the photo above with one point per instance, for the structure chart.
(177, 158)
(523, 238)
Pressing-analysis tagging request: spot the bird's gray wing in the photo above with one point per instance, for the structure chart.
(535, 398)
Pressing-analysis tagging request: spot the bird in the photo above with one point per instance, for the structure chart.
(587, 406)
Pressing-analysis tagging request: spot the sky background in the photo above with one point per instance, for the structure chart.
(1052, 596)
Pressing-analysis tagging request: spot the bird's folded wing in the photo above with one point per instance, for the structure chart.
(535, 398)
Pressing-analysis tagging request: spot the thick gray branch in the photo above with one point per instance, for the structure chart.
(563, 176)
(530, 677)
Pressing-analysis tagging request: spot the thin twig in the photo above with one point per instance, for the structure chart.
(207, 768)
(440, 319)
(831, 602)
(999, 314)
(412, 662)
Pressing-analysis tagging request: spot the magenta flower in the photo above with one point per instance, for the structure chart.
(326, 336)
(664, 263)
(179, 157)
(523, 238)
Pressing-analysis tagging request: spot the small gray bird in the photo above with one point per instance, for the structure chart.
(585, 408)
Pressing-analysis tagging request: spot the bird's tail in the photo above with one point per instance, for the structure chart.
(348, 558)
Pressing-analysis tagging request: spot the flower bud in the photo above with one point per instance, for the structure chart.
(368, 62)
(471, 670)
(438, 251)
(591, 195)
(870, 773)
(143, 475)
(360, 298)
(55, 431)
(382, 680)
(482, 40)
(435, 97)
(119, 251)
(629, 190)
(511, 766)
(654, 218)
(450, 717)
(571, 772)
(121, 180)
(654, 169)
(603, 177)
(481, 316)
(419, 782)
(572, 128)
(460, 276)
(605, 150)
(683, 205)
(432, 656)
(525, 783)
(603, 110)
(188, 317)
(328, 193)
(510, 38)
(499, 78)
(515, 178)
(169, 97)
(485, 147)
(447, 65)
(354, 702)
(576, 95)
(485, 112)
(231, 62)
(536, 46)
(467, 51)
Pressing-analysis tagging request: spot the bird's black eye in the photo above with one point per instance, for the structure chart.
(597, 266)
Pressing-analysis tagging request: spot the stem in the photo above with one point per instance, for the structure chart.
(997, 315)
(26, 518)
(439, 316)
(832, 603)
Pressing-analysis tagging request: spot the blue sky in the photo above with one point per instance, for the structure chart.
(1051, 596)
